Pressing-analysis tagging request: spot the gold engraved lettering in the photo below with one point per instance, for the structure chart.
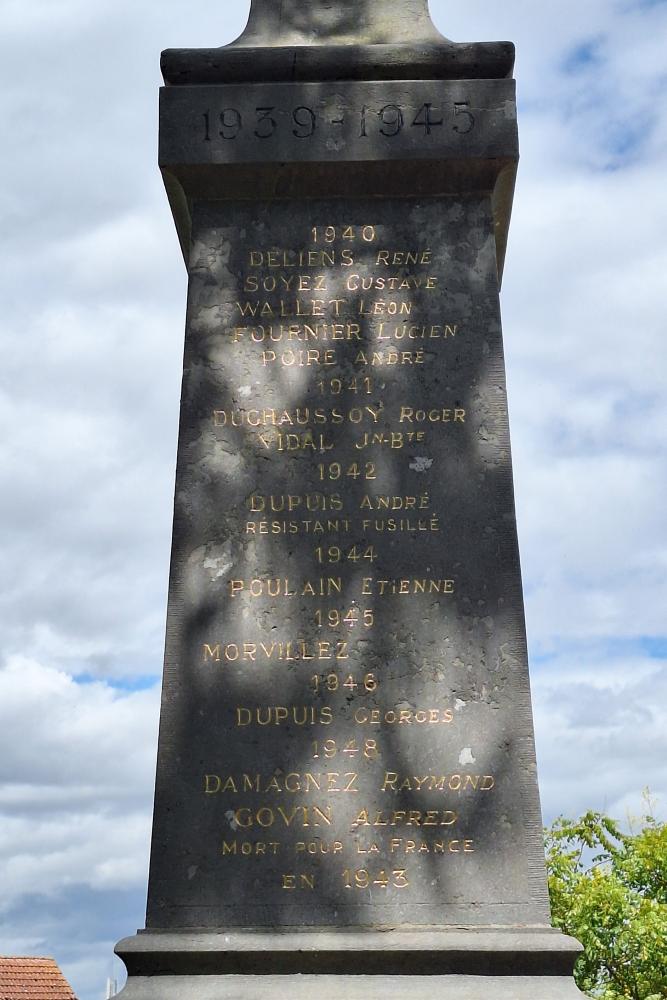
(395, 283)
(436, 416)
(336, 682)
(290, 358)
(275, 418)
(299, 417)
(364, 716)
(390, 359)
(399, 258)
(280, 715)
(318, 847)
(414, 331)
(391, 525)
(369, 848)
(338, 386)
(314, 503)
(394, 439)
(282, 440)
(324, 586)
(364, 879)
(317, 308)
(382, 307)
(330, 749)
(307, 526)
(404, 817)
(298, 882)
(395, 782)
(397, 845)
(285, 652)
(329, 234)
(304, 333)
(285, 283)
(292, 783)
(384, 588)
(267, 816)
(284, 259)
(395, 503)
(249, 848)
(316, 443)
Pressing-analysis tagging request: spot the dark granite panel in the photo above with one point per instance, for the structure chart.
(346, 735)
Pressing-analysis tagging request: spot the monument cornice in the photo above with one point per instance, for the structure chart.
(288, 41)
(308, 63)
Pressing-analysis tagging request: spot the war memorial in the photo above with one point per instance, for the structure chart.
(346, 800)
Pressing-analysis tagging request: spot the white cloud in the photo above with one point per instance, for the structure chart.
(75, 781)
(601, 720)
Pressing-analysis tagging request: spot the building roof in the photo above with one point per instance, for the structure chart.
(33, 979)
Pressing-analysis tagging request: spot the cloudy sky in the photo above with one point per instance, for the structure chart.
(93, 293)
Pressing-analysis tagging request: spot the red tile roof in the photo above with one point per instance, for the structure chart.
(33, 979)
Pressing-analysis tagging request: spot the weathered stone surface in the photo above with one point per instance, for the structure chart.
(347, 22)
(510, 965)
(393, 951)
(352, 987)
(351, 40)
(346, 796)
(346, 686)
(299, 142)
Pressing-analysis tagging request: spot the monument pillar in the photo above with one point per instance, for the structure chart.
(346, 796)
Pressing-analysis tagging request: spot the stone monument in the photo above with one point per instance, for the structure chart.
(346, 798)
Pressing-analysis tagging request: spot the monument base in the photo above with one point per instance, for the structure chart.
(527, 963)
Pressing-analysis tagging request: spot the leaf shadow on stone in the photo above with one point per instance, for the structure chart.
(454, 640)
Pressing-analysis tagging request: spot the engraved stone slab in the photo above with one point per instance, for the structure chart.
(435, 119)
(346, 798)
(346, 733)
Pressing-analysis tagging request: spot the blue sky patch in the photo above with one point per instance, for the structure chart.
(583, 56)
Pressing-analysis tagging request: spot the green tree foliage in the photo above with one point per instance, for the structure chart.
(609, 889)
